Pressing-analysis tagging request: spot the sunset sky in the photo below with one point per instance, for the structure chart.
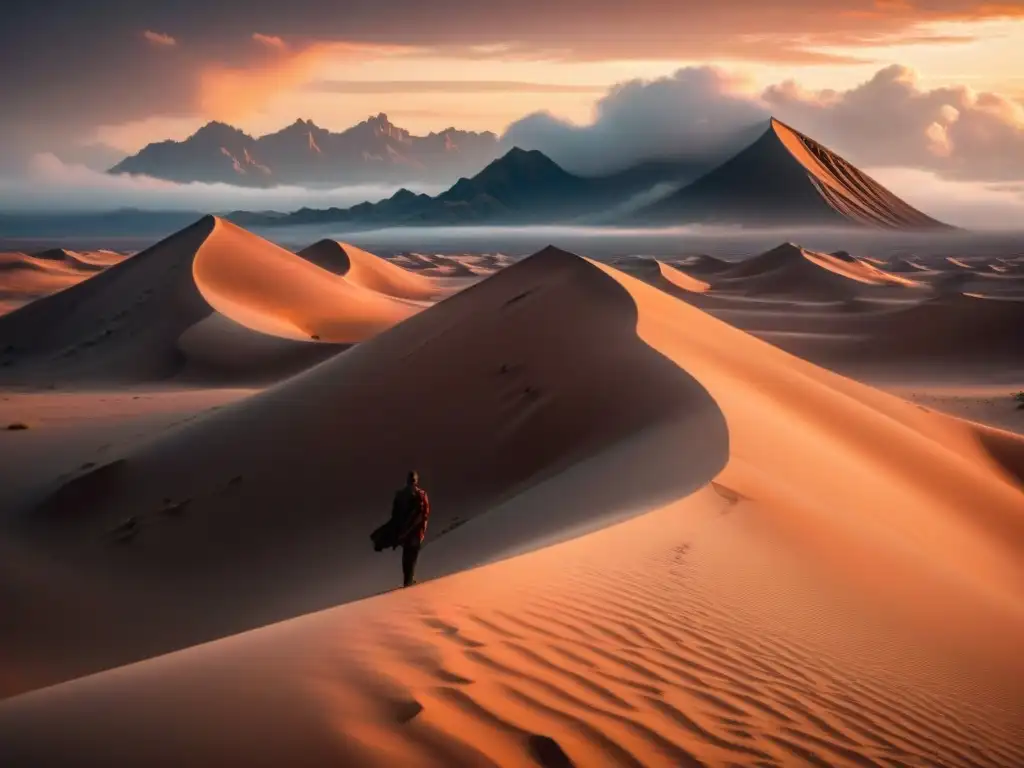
(125, 73)
(927, 94)
(487, 86)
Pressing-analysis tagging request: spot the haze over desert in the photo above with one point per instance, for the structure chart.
(569, 385)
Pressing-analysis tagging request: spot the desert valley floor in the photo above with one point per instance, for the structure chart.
(686, 511)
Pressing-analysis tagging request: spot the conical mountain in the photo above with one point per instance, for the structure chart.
(786, 178)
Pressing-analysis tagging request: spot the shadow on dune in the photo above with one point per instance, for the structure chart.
(528, 397)
(150, 318)
(1006, 449)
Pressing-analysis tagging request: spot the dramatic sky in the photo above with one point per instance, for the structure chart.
(936, 86)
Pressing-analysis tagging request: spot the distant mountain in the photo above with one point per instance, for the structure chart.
(521, 187)
(375, 150)
(783, 179)
(106, 226)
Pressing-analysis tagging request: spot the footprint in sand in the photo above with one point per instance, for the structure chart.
(732, 497)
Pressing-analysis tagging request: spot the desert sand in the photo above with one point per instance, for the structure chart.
(870, 318)
(210, 303)
(658, 538)
(370, 272)
(664, 276)
(25, 277)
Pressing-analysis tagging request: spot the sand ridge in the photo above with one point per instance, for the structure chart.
(680, 279)
(368, 271)
(211, 302)
(853, 314)
(27, 277)
(668, 277)
(271, 290)
(789, 271)
(462, 391)
(790, 610)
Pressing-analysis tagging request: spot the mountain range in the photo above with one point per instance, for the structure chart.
(375, 150)
(782, 179)
(522, 187)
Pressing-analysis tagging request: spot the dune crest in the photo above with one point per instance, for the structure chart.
(27, 277)
(805, 605)
(363, 269)
(136, 321)
(671, 279)
(676, 277)
(702, 264)
(274, 291)
(790, 271)
(86, 261)
(476, 392)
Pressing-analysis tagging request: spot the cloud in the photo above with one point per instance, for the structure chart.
(95, 155)
(692, 113)
(891, 121)
(159, 39)
(230, 92)
(131, 136)
(270, 41)
(447, 86)
(969, 204)
(108, 82)
(54, 186)
(887, 121)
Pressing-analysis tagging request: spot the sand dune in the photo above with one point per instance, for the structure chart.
(859, 271)
(451, 266)
(1012, 266)
(792, 272)
(847, 590)
(488, 261)
(902, 265)
(368, 271)
(680, 280)
(702, 264)
(282, 489)
(24, 279)
(631, 647)
(27, 277)
(271, 290)
(89, 262)
(668, 278)
(992, 284)
(954, 327)
(452, 271)
(139, 320)
(845, 312)
(413, 261)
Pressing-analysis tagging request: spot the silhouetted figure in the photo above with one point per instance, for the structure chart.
(410, 512)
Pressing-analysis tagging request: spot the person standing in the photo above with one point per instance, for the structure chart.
(411, 511)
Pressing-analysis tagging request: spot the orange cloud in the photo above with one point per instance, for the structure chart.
(271, 41)
(911, 14)
(232, 93)
(159, 39)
